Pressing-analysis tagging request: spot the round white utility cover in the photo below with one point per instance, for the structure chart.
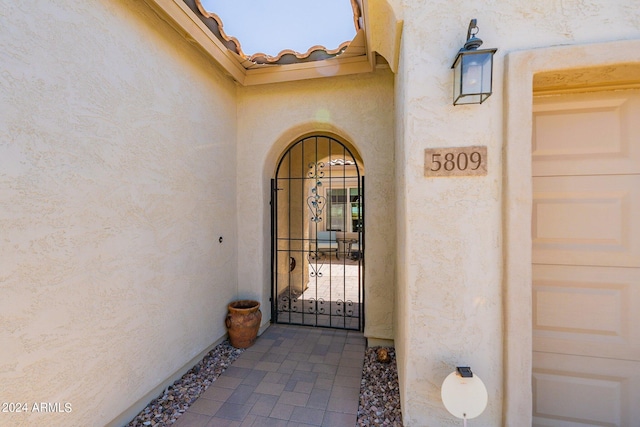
(464, 397)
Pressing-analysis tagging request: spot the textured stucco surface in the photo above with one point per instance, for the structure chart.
(450, 255)
(117, 176)
(359, 111)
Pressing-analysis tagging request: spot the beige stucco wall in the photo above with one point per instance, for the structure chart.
(117, 176)
(355, 109)
(451, 275)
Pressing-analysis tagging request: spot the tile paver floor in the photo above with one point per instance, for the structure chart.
(337, 281)
(291, 376)
(332, 296)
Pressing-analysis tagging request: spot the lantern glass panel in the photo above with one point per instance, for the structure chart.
(457, 78)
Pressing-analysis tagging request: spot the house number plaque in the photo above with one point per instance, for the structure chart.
(455, 161)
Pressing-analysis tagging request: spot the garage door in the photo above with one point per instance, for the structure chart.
(586, 259)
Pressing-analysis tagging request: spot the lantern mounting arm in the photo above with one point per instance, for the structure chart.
(473, 42)
(472, 25)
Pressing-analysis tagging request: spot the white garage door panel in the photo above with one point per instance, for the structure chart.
(586, 134)
(586, 220)
(589, 311)
(585, 391)
(586, 259)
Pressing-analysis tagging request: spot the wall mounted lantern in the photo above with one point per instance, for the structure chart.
(472, 70)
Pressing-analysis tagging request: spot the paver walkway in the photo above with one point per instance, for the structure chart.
(291, 376)
(336, 281)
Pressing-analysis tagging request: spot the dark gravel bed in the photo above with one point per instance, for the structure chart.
(379, 392)
(165, 409)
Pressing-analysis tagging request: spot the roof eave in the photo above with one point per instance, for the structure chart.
(189, 26)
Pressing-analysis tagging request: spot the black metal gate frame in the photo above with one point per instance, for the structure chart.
(338, 314)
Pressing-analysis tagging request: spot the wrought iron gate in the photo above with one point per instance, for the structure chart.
(317, 236)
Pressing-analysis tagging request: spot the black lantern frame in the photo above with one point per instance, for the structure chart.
(472, 70)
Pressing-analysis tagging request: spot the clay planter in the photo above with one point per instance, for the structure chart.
(243, 322)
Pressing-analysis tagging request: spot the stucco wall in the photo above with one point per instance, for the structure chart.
(359, 110)
(450, 307)
(117, 176)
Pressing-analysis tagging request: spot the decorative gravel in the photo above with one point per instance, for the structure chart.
(379, 392)
(166, 408)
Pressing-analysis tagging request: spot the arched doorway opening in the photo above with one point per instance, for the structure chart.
(317, 234)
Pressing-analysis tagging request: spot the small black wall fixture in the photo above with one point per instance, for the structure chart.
(472, 70)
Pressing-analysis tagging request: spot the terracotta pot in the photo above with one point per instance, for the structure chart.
(243, 322)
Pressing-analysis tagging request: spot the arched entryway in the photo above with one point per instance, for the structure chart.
(317, 229)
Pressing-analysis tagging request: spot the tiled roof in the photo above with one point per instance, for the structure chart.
(376, 44)
(314, 53)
